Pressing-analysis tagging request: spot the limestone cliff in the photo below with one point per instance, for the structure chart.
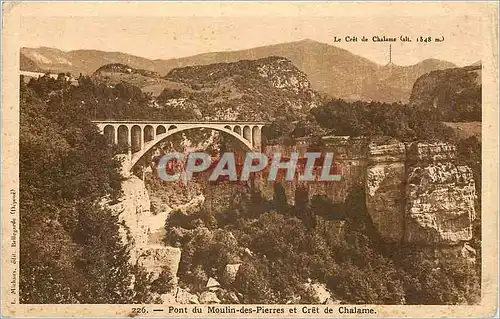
(138, 225)
(439, 204)
(132, 209)
(349, 159)
(416, 194)
(384, 189)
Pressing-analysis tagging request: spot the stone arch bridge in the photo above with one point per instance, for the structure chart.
(143, 135)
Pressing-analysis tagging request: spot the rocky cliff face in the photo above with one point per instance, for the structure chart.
(139, 225)
(439, 204)
(384, 188)
(133, 212)
(416, 194)
(349, 159)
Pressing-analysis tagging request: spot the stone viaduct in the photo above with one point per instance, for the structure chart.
(142, 135)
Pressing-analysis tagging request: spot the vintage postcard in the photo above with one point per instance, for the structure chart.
(249, 159)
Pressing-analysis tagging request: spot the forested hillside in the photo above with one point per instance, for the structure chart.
(70, 247)
(454, 94)
(279, 247)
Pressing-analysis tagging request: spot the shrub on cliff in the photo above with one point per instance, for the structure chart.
(163, 284)
(205, 254)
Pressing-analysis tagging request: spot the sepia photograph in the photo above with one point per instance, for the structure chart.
(246, 161)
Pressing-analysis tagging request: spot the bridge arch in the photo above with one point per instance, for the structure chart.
(109, 134)
(123, 135)
(136, 138)
(160, 129)
(237, 129)
(160, 137)
(149, 133)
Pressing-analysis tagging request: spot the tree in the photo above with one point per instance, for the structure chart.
(71, 250)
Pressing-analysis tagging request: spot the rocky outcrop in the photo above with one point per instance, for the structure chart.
(384, 189)
(156, 259)
(319, 291)
(416, 194)
(212, 284)
(123, 68)
(229, 274)
(439, 204)
(133, 210)
(439, 196)
(262, 89)
(284, 75)
(350, 160)
(137, 224)
(454, 93)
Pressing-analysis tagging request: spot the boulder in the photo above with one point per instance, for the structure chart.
(157, 258)
(229, 274)
(185, 297)
(209, 297)
(212, 284)
(320, 291)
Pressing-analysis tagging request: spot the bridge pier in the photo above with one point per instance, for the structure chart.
(257, 137)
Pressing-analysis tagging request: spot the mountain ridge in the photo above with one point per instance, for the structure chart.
(330, 69)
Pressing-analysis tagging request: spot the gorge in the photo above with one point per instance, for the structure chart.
(415, 193)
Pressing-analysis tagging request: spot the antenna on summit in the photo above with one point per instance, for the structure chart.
(390, 53)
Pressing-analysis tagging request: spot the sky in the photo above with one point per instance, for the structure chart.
(164, 37)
